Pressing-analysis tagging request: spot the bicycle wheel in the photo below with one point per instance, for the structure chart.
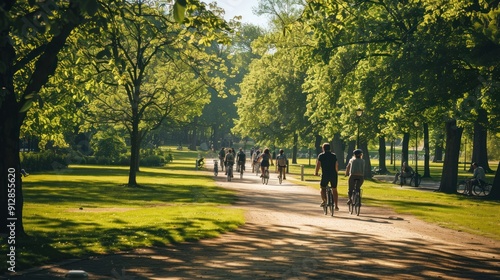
(351, 205)
(357, 203)
(216, 171)
(266, 177)
(331, 204)
(241, 172)
(416, 179)
(462, 187)
(280, 177)
(482, 190)
(229, 173)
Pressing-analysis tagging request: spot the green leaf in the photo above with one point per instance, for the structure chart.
(179, 10)
(26, 106)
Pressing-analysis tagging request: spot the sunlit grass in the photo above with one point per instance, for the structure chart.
(86, 210)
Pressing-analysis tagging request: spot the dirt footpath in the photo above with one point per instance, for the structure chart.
(288, 237)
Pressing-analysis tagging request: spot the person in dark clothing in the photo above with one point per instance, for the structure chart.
(329, 165)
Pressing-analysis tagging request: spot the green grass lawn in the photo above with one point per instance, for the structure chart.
(86, 210)
(468, 214)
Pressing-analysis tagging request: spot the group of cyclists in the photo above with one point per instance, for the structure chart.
(228, 157)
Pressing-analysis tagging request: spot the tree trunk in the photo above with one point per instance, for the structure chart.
(11, 195)
(338, 149)
(317, 143)
(366, 156)
(382, 151)
(479, 149)
(450, 167)
(135, 147)
(427, 168)
(438, 149)
(350, 147)
(295, 148)
(404, 150)
(495, 190)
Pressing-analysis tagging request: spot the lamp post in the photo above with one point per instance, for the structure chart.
(359, 112)
(416, 146)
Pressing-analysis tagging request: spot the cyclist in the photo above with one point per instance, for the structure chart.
(478, 178)
(265, 158)
(281, 162)
(355, 170)
(229, 159)
(329, 165)
(240, 159)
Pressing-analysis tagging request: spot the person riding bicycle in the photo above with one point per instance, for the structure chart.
(356, 171)
(406, 172)
(265, 158)
(478, 178)
(229, 159)
(281, 162)
(240, 159)
(329, 165)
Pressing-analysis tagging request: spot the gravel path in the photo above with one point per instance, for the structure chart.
(288, 237)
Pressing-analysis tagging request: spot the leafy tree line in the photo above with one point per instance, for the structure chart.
(44, 44)
(418, 69)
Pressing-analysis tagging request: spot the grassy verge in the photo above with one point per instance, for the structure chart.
(458, 212)
(86, 210)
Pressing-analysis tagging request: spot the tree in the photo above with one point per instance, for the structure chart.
(32, 34)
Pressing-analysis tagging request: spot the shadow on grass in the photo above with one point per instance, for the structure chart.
(47, 247)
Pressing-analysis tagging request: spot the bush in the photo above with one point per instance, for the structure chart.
(152, 160)
(43, 161)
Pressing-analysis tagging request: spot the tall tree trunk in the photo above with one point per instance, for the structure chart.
(11, 195)
(135, 147)
(295, 148)
(404, 150)
(427, 169)
(317, 143)
(438, 149)
(363, 145)
(338, 149)
(382, 151)
(495, 190)
(350, 147)
(450, 167)
(479, 149)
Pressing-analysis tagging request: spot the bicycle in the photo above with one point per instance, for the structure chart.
(355, 205)
(229, 169)
(241, 167)
(265, 176)
(462, 187)
(216, 167)
(280, 177)
(329, 204)
(481, 189)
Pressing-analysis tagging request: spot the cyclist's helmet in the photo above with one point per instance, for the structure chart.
(357, 152)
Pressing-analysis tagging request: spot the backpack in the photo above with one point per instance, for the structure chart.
(281, 161)
(230, 158)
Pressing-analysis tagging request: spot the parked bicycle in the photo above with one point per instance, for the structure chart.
(216, 167)
(355, 205)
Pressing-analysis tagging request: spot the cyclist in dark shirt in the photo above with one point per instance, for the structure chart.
(329, 165)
